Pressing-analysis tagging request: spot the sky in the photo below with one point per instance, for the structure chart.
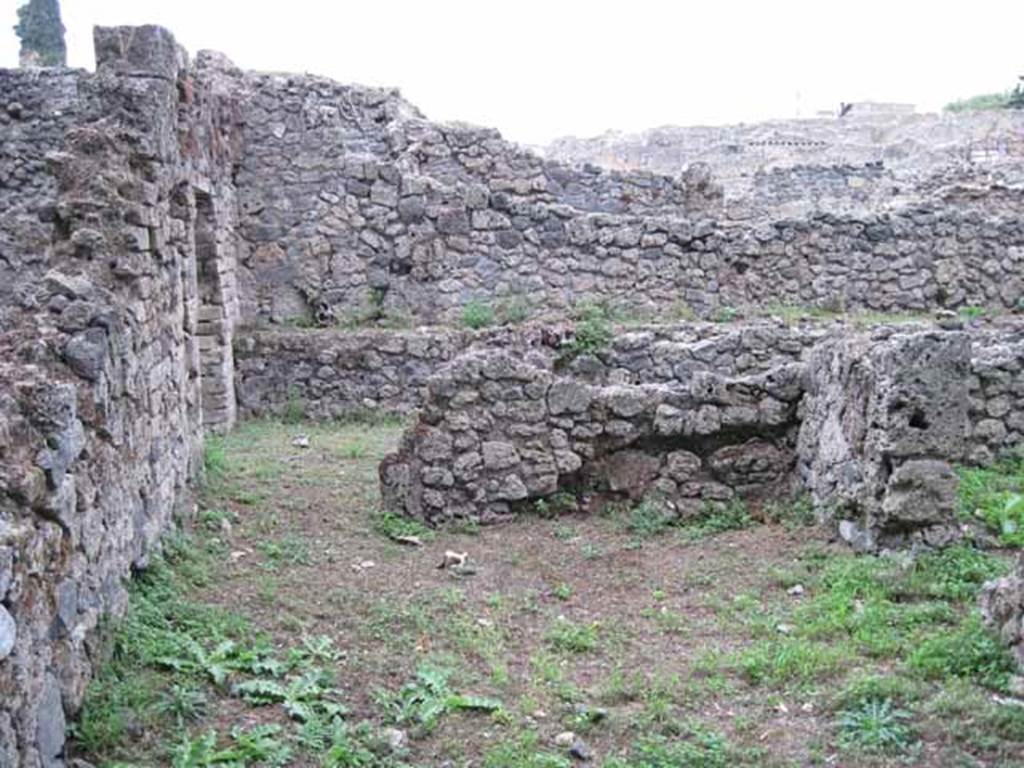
(538, 70)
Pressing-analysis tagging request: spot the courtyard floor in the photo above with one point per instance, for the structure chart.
(297, 624)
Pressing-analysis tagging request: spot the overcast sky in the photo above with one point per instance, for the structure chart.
(542, 69)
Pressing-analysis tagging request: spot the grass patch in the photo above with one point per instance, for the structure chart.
(478, 314)
(994, 497)
(570, 637)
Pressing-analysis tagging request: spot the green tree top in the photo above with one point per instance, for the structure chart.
(42, 34)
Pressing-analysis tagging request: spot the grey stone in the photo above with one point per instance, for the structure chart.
(8, 633)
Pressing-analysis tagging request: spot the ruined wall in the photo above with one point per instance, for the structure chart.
(500, 429)
(416, 250)
(870, 423)
(38, 106)
(333, 373)
(101, 409)
(349, 199)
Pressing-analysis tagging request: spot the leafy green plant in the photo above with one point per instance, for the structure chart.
(994, 496)
(289, 550)
(428, 697)
(294, 409)
(876, 725)
(478, 314)
(215, 458)
(785, 660)
(568, 636)
(523, 751)
(969, 650)
(714, 519)
(515, 310)
(182, 702)
(302, 697)
(725, 314)
(592, 333)
(393, 526)
(696, 747)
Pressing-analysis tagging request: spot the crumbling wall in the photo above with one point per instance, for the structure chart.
(38, 106)
(101, 412)
(499, 429)
(886, 419)
(334, 373)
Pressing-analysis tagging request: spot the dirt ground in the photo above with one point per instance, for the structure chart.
(601, 645)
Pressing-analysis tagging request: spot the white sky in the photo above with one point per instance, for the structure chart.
(541, 69)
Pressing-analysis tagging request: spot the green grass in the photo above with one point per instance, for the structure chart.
(523, 751)
(983, 101)
(478, 314)
(994, 497)
(571, 637)
(875, 725)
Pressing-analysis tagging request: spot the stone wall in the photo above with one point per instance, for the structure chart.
(499, 430)
(335, 373)
(38, 106)
(870, 424)
(101, 409)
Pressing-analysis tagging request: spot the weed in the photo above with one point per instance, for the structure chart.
(780, 661)
(294, 409)
(876, 725)
(969, 650)
(393, 526)
(714, 519)
(562, 591)
(696, 747)
(290, 550)
(182, 702)
(994, 496)
(354, 449)
(797, 512)
(477, 314)
(725, 314)
(523, 751)
(215, 459)
(571, 637)
(592, 334)
(515, 310)
(427, 698)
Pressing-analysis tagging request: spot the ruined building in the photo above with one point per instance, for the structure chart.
(183, 243)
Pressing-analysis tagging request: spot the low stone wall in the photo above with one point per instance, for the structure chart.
(869, 423)
(333, 373)
(498, 430)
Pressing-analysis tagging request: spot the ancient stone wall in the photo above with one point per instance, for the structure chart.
(335, 373)
(500, 429)
(38, 106)
(870, 424)
(102, 399)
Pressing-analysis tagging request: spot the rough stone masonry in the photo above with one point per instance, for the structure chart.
(171, 228)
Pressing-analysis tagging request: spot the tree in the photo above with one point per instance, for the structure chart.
(1016, 100)
(42, 34)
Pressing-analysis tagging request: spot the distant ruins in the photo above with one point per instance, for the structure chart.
(183, 243)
